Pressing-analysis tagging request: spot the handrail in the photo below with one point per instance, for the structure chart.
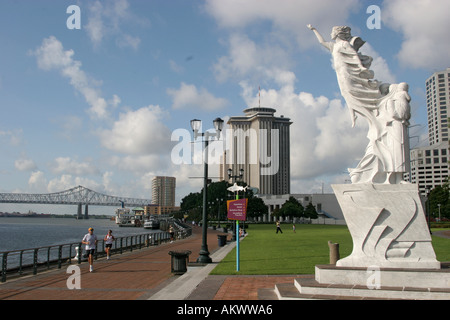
(17, 261)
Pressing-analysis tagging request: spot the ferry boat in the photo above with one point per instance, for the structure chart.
(130, 223)
(125, 219)
(151, 224)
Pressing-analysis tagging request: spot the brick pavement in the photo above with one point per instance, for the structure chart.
(247, 287)
(129, 276)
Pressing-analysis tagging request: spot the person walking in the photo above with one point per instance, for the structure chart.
(171, 232)
(109, 238)
(90, 240)
(279, 227)
(293, 228)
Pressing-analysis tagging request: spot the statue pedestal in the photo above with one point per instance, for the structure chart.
(347, 283)
(387, 225)
(392, 255)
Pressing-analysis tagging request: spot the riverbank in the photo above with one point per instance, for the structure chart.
(49, 215)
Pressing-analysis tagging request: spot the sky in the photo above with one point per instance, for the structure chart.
(104, 106)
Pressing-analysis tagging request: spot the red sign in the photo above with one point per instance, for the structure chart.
(237, 209)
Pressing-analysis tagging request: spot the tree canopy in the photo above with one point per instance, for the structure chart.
(217, 197)
(291, 208)
(439, 200)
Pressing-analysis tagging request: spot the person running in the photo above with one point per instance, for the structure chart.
(279, 227)
(90, 240)
(109, 238)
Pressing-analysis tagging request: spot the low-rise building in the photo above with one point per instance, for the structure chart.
(326, 204)
(429, 166)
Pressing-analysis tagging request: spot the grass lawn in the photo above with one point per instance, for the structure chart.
(265, 252)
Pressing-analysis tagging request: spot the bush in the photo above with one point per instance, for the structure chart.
(440, 224)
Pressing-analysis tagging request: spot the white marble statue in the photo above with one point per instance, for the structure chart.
(383, 213)
(384, 106)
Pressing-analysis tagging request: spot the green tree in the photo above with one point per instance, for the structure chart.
(256, 207)
(193, 202)
(310, 211)
(276, 212)
(289, 209)
(292, 208)
(440, 197)
(294, 201)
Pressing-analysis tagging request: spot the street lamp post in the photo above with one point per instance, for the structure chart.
(195, 125)
(219, 200)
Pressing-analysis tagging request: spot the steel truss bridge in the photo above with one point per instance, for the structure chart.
(76, 196)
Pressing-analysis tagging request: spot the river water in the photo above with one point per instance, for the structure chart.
(25, 233)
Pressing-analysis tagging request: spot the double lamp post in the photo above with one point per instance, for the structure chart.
(218, 126)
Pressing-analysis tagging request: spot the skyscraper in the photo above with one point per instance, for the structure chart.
(259, 143)
(429, 165)
(163, 191)
(438, 103)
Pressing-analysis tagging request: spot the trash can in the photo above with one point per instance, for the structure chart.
(179, 261)
(222, 238)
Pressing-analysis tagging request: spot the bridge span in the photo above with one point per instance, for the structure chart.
(75, 196)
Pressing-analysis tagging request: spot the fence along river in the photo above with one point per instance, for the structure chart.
(29, 245)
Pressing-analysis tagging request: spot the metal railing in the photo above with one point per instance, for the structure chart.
(30, 261)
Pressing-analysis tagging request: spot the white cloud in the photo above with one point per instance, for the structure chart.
(23, 164)
(139, 132)
(287, 16)
(246, 58)
(140, 164)
(37, 181)
(424, 25)
(188, 96)
(128, 41)
(67, 181)
(14, 137)
(51, 56)
(175, 67)
(68, 166)
(94, 26)
(106, 19)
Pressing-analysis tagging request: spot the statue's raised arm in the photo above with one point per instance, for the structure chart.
(328, 45)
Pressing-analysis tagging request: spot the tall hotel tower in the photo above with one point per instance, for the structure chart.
(259, 144)
(438, 102)
(429, 165)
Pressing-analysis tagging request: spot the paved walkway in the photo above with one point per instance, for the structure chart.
(442, 233)
(145, 274)
(130, 276)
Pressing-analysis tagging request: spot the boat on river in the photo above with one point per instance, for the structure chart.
(151, 224)
(130, 223)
